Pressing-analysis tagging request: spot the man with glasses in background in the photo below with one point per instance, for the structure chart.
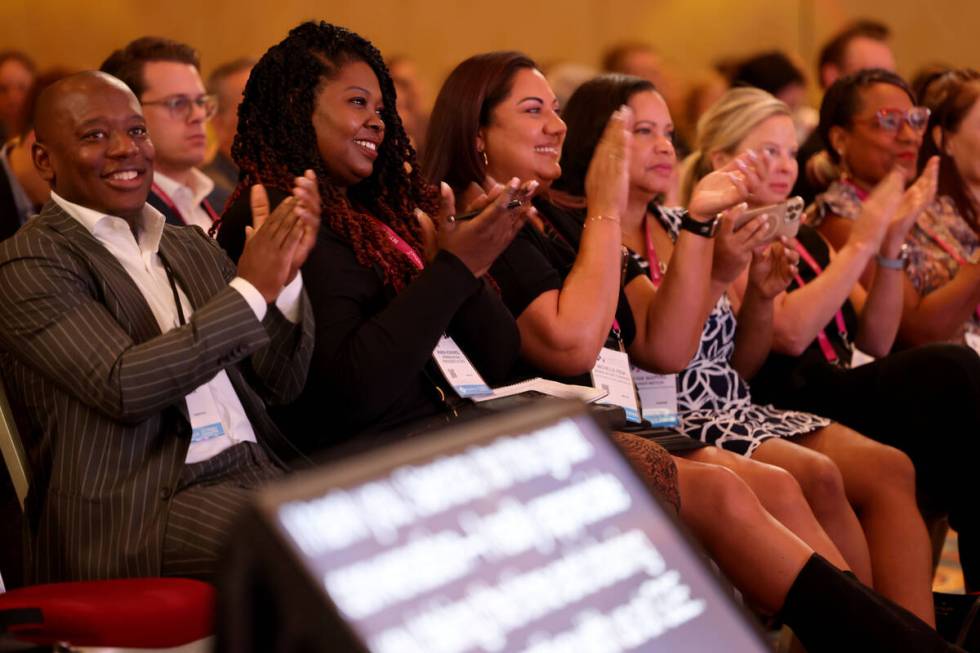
(165, 76)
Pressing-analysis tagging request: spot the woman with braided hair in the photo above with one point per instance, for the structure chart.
(384, 290)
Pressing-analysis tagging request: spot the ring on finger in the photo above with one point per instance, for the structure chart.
(451, 219)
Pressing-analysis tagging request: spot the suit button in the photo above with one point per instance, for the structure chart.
(165, 493)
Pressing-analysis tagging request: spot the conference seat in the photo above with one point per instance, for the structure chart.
(175, 615)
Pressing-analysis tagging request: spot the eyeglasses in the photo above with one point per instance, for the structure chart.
(181, 106)
(890, 120)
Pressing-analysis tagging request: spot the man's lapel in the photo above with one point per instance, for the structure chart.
(120, 294)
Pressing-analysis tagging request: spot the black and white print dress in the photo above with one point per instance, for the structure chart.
(714, 402)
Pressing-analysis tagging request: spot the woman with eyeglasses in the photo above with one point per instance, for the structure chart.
(922, 401)
(942, 289)
(873, 127)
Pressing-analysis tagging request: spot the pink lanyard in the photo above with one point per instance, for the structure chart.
(173, 207)
(656, 275)
(401, 245)
(860, 192)
(825, 346)
(946, 247)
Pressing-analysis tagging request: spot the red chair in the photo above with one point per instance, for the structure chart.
(141, 613)
(134, 613)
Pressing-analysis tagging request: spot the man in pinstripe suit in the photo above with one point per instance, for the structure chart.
(140, 356)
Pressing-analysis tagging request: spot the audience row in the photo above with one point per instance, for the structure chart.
(163, 378)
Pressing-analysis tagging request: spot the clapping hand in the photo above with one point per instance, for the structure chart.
(772, 268)
(729, 185)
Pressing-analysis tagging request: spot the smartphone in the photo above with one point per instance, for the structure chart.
(784, 218)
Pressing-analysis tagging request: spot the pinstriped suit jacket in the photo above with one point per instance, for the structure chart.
(103, 390)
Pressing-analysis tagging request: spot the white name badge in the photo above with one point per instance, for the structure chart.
(458, 369)
(205, 423)
(973, 341)
(859, 358)
(612, 374)
(658, 396)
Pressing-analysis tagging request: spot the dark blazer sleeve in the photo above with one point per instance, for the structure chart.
(371, 346)
(280, 368)
(53, 319)
(487, 332)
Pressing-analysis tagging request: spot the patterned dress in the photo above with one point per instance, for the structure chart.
(714, 402)
(930, 265)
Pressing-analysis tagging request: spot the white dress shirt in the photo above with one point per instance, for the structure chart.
(188, 199)
(141, 260)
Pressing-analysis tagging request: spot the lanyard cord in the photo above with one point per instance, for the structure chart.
(825, 345)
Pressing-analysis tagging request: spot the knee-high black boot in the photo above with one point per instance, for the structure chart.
(829, 610)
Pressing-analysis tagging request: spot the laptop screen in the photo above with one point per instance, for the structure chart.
(525, 532)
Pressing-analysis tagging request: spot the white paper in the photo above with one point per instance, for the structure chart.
(547, 387)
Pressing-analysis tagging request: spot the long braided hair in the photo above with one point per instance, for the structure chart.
(276, 142)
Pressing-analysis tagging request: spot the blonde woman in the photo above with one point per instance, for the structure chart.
(877, 479)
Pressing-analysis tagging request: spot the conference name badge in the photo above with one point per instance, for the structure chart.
(458, 369)
(658, 396)
(612, 374)
(205, 422)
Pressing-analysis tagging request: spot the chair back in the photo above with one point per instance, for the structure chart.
(13, 449)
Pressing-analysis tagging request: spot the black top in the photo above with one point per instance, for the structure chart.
(782, 373)
(538, 262)
(9, 216)
(372, 369)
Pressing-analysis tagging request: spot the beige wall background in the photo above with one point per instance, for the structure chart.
(690, 33)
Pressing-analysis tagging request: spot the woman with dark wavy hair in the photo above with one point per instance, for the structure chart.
(563, 285)
(384, 290)
(942, 292)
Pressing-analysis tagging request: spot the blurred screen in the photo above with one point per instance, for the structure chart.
(542, 541)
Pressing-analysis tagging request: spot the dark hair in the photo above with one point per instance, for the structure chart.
(843, 100)
(770, 71)
(950, 96)
(614, 59)
(586, 115)
(127, 63)
(41, 82)
(466, 100)
(276, 142)
(836, 48)
(20, 57)
(925, 76)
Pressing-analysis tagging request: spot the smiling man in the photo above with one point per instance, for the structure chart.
(126, 344)
(165, 76)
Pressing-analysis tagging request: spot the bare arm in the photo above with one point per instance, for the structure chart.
(563, 330)
(938, 315)
(771, 271)
(669, 320)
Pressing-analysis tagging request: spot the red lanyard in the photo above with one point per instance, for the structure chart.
(173, 207)
(828, 349)
(653, 261)
(948, 248)
(402, 246)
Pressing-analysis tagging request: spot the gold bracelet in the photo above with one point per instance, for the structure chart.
(600, 218)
